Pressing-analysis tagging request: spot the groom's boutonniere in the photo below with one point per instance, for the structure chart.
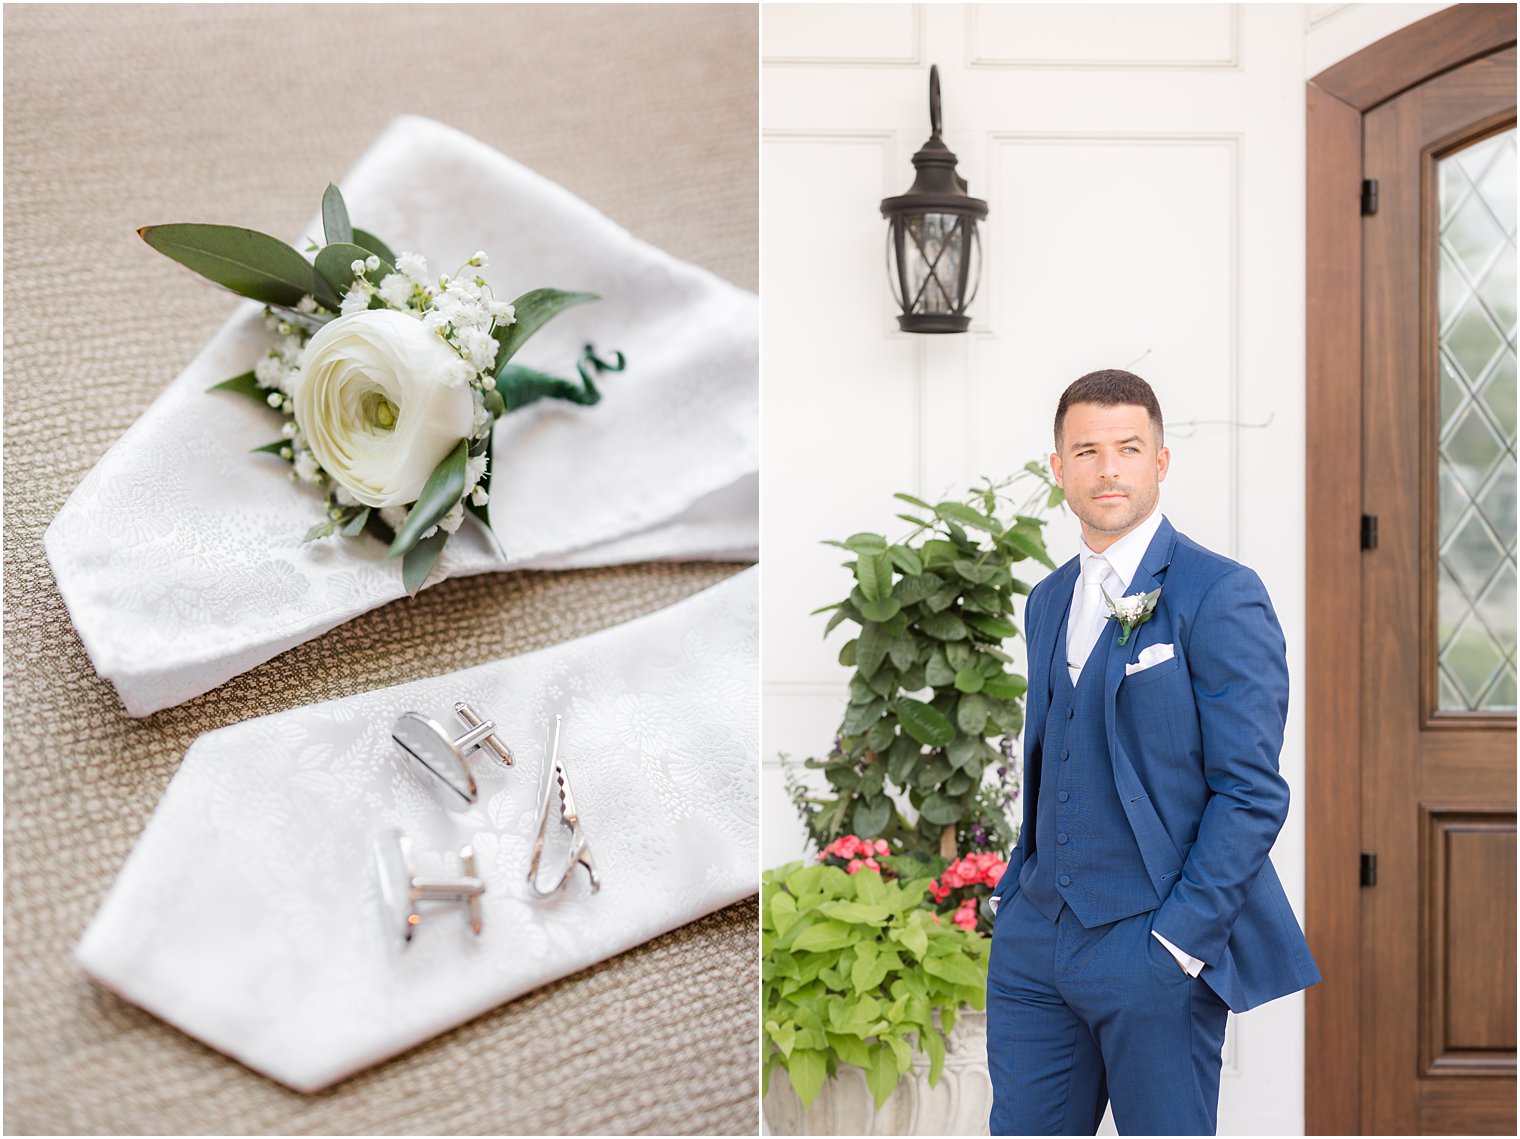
(388, 381)
(1131, 612)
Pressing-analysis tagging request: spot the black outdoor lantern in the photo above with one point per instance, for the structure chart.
(934, 252)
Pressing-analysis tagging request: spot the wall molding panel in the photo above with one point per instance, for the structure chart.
(991, 31)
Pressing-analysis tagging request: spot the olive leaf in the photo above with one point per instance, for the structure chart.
(419, 561)
(369, 241)
(335, 266)
(250, 263)
(244, 384)
(533, 310)
(439, 494)
(335, 224)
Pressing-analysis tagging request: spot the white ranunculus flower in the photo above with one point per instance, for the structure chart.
(377, 400)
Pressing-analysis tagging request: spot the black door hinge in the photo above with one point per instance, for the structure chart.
(1369, 196)
(1369, 531)
(1369, 868)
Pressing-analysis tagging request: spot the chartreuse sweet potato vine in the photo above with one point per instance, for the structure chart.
(854, 970)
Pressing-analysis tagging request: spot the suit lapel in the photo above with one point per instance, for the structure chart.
(1158, 555)
(1042, 632)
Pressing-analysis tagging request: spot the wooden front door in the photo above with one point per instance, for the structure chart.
(1411, 899)
(1438, 602)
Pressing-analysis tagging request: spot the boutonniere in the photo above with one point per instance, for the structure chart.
(1131, 612)
(389, 380)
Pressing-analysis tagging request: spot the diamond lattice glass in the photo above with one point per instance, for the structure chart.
(1476, 472)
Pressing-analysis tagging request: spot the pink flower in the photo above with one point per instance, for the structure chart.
(855, 866)
(882, 847)
(965, 918)
(872, 864)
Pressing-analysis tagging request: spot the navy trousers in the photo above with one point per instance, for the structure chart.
(1077, 1017)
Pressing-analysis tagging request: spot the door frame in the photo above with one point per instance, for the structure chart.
(1337, 98)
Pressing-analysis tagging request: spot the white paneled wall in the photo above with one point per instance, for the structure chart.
(1144, 169)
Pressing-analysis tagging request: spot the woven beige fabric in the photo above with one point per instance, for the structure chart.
(117, 117)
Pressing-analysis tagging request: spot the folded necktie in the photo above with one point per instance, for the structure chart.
(249, 914)
(180, 555)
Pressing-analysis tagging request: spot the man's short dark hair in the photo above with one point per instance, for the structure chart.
(1110, 388)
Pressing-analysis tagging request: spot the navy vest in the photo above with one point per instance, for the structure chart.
(1084, 854)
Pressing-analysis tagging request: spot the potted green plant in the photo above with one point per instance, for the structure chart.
(934, 707)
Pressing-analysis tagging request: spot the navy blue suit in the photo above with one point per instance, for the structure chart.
(1083, 1003)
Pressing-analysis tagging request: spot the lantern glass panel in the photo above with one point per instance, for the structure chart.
(932, 252)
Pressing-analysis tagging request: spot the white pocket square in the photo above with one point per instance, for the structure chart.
(1150, 656)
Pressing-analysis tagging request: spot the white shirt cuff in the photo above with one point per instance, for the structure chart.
(1190, 965)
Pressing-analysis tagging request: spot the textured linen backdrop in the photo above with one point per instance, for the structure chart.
(123, 116)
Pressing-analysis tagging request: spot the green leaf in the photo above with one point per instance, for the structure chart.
(924, 723)
(971, 714)
(881, 1076)
(1005, 686)
(250, 263)
(882, 609)
(335, 225)
(874, 572)
(943, 626)
(244, 384)
(865, 543)
(824, 935)
(956, 968)
(334, 265)
(372, 243)
(854, 912)
(972, 571)
(807, 1069)
(911, 501)
(901, 758)
(1029, 545)
(937, 672)
(871, 816)
(915, 940)
(906, 560)
(933, 1044)
(533, 310)
(439, 494)
(999, 628)
(418, 561)
(941, 810)
(914, 588)
(783, 912)
(354, 525)
(871, 649)
(272, 448)
(969, 680)
(966, 516)
(964, 753)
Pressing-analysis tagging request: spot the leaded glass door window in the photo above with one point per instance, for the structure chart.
(1475, 453)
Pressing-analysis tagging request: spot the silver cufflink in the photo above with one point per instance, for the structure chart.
(428, 745)
(554, 789)
(401, 890)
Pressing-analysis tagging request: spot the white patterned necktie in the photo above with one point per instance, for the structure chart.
(1087, 621)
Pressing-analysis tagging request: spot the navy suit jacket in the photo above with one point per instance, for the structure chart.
(1194, 742)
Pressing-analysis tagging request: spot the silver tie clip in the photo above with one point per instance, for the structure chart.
(555, 787)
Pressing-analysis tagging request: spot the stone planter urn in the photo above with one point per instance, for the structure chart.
(958, 1105)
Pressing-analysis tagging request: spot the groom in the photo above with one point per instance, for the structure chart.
(1139, 905)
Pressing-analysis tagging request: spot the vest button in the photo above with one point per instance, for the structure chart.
(1061, 838)
(1070, 712)
(1065, 754)
(1065, 880)
(1063, 796)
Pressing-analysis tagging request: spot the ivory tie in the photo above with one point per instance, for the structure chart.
(1087, 622)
